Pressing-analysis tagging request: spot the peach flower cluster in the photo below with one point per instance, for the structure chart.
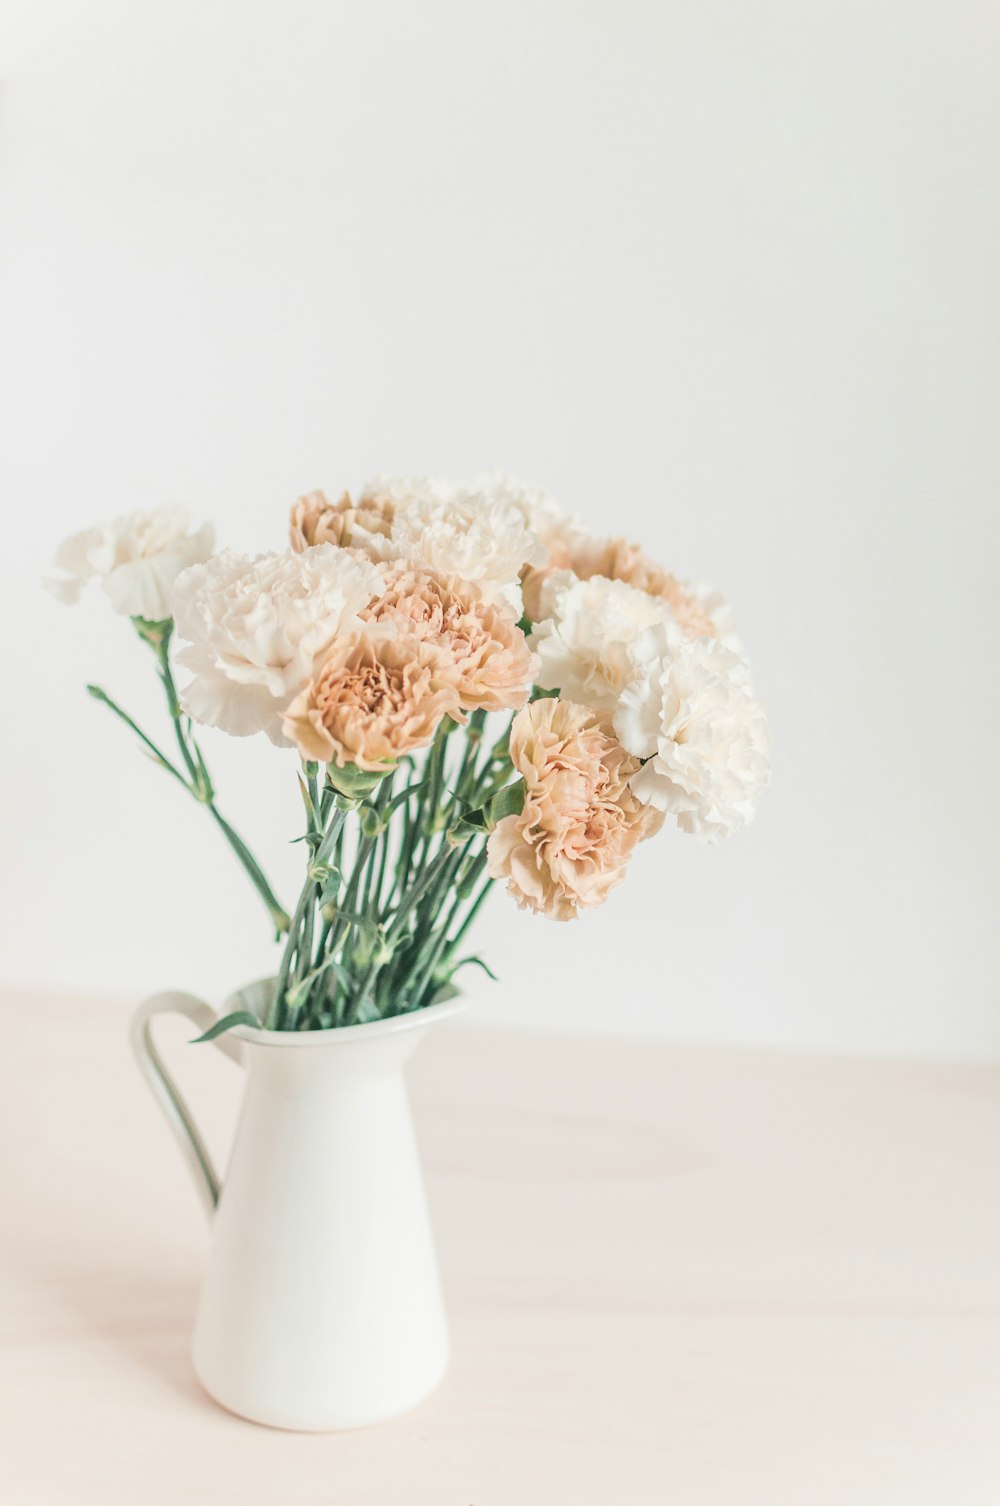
(426, 648)
(419, 601)
(375, 697)
(568, 846)
(479, 649)
(316, 520)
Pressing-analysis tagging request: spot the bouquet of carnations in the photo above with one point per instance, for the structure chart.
(477, 687)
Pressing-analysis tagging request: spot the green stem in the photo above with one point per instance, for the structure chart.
(276, 1016)
(456, 940)
(346, 909)
(160, 757)
(275, 909)
(434, 778)
(413, 896)
(196, 791)
(473, 740)
(200, 785)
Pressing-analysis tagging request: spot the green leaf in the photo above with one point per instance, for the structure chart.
(366, 1012)
(298, 995)
(331, 889)
(507, 802)
(353, 918)
(398, 799)
(228, 1022)
(476, 962)
(308, 803)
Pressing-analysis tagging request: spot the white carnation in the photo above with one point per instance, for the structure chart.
(546, 517)
(691, 713)
(256, 629)
(475, 532)
(585, 641)
(136, 557)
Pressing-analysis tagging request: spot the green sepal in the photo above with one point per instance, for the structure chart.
(353, 783)
(369, 819)
(155, 633)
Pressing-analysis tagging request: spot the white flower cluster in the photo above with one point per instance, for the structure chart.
(612, 630)
(256, 629)
(137, 558)
(586, 634)
(691, 714)
(480, 533)
(665, 665)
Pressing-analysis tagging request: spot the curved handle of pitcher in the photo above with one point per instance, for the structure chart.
(166, 1091)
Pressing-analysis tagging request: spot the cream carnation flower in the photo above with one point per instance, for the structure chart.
(584, 643)
(699, 611)
(561, 533)
(373, 698)
(256, 629)
(315, 520)
(137, 558)
(691, 713)
(568, 846)
(546, 517)
(456, 530)
(480, 649)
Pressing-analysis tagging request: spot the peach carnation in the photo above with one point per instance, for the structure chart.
(316, 520)
(374, 698)
(568, 846)
(480, 650)
(698, 613)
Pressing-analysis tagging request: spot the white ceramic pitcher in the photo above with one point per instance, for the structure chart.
(321, 1306)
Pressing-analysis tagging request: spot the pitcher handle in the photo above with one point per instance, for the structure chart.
(165, 1090)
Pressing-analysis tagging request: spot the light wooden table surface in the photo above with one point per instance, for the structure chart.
(678, 1277)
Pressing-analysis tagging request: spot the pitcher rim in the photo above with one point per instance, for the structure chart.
(258, 1035)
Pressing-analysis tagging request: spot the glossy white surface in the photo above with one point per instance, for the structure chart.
(702, 1276)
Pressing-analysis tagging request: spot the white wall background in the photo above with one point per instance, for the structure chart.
(721, 276)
